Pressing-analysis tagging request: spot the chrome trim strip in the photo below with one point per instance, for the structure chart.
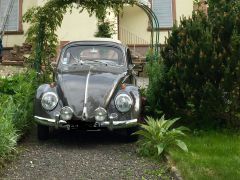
(111, 125)
(85, 113)
(49, 122)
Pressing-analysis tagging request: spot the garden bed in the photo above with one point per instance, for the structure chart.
(6, 71)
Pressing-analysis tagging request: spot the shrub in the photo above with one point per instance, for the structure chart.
(199, 76)
(157, 137)
(105, 29)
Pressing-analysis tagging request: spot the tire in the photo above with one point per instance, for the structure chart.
(42, 132)
(128, 134)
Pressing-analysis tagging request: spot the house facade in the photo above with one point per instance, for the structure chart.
(75, 26)
(131, 25)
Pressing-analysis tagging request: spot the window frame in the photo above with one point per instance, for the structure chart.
(173, 15)
(20, 26)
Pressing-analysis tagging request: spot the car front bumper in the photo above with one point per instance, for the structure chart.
(110, 124)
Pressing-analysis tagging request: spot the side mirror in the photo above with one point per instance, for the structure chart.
(130, 70)
(131, 67)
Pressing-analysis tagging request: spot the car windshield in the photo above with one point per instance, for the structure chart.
(97, 54)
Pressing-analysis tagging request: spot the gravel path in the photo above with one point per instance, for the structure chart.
(82, 155)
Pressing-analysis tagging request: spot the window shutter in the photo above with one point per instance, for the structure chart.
(164, 12)
(12, 23)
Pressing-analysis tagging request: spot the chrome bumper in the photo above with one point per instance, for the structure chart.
(50, 122)
(111, 124)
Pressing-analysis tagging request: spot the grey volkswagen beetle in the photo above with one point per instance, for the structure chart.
(95, 88)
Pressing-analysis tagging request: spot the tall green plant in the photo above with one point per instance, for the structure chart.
(16, 109)
(18, 93)
(157, 137)
(8, 133)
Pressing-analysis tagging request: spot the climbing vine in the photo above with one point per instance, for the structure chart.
(46, 19)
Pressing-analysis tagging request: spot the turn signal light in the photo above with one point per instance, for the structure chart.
(123, 86)
(53, 84)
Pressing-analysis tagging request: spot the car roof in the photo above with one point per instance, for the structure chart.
(99, 40)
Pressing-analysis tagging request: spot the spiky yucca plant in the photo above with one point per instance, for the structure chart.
(156, 137)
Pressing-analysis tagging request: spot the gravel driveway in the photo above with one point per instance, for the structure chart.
(82, 155)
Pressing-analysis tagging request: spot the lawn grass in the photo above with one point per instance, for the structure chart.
(212, 155)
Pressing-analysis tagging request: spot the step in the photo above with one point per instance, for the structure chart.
(13, 63)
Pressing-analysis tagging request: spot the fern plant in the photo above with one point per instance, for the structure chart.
(157, 137)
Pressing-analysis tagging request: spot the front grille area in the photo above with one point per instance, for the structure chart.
(81, 124)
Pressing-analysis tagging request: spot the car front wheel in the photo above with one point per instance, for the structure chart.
(129, 134)
(42, 132)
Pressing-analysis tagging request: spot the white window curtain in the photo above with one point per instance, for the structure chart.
(13, 20)
(164, 12)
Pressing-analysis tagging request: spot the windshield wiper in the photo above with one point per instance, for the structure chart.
(113, 64)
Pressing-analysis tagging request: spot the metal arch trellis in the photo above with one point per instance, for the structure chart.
(154, 34)
(152, 19)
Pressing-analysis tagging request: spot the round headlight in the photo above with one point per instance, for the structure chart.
(49, 101)
(123, 103)
(100, 114)
(66, 113)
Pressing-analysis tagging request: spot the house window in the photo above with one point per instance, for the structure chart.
(13, 23)
(165, 12)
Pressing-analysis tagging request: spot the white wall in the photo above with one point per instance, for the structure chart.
(136, 21)
(77, 26)
(183, 8)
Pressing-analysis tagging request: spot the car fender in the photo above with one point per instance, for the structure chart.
(39, 110)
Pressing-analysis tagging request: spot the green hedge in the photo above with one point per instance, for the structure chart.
(199, 76)
(16, 109)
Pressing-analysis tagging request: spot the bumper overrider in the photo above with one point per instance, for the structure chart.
(110, 124)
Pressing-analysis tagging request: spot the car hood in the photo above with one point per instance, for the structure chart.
(93, 84)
